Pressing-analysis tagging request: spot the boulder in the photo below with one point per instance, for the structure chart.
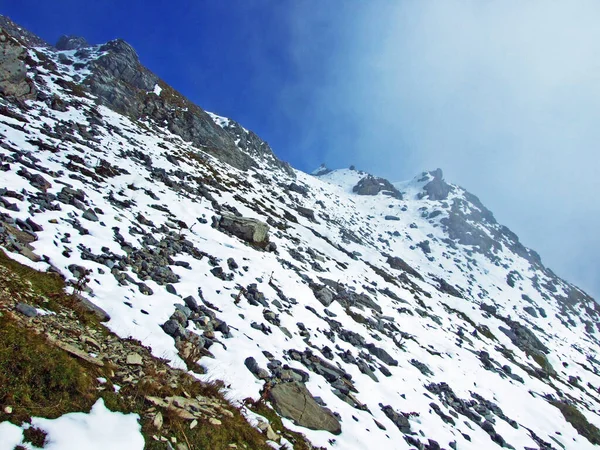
(371, 185)
(250, 230)
(295, 402)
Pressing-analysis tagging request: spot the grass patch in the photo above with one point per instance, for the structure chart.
(579, 422)
(38, 379)
(44, 283)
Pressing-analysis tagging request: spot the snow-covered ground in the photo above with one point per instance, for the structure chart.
(348, 242)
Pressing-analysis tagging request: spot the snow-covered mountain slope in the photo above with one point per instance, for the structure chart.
(369, 314)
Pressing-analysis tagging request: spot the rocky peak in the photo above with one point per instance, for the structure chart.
(71, 43)
(437, 188)
(321, 170)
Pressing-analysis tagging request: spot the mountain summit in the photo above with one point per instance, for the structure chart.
(361, 312)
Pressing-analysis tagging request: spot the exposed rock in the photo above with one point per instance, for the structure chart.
(437, 189)
(295, 402)
(26, 310)
(71, 43)
(371, 185)
(13, 70)
(250, 230)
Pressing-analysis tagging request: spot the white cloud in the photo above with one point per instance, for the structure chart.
(503, 95)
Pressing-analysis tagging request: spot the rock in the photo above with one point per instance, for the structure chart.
(133, 359)
(391, 218)
(191, 303)
(158, 420)
(173, 328)
(13, 71)
(381, 354)
(306, 212)
(71, 43)
(398, 263)
(371, 185)
(295, 402)
(214, 421)
(171, 289)
(250, 230)
(255, 369)
(325, 296)
(437, 189)
(26, 310)
(90, 215)
(94, 309)
(398, 419)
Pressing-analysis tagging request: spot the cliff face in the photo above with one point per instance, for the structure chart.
(367, 313)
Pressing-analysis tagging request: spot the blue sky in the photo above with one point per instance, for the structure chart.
(503, 95)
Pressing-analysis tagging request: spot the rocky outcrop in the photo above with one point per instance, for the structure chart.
(123, 84)
(250, 230)
(371, 185)
(71, 43)
(295, 402)
(437, 188)
(13, 70)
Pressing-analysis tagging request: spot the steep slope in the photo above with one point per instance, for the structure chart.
(368, 314)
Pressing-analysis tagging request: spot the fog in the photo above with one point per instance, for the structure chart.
(504, 96)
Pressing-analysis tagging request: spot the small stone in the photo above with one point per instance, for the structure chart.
(194, 424)
(214, 421)
(158, 420)
(26, 310)
(133, 359)
(8, 410)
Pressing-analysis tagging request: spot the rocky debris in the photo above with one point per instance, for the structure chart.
(295, 402)
(250, 230)
(523, 338)
(437, 188)
(478, 410)
(371, 185)
(393, 218)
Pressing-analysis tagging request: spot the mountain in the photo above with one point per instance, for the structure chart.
(364, 313)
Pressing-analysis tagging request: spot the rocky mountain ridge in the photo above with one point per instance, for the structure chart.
(366, 313)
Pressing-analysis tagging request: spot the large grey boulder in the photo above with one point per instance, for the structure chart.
(250, 230)
(295, 402)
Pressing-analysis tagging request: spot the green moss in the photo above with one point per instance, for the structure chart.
(579, 422)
